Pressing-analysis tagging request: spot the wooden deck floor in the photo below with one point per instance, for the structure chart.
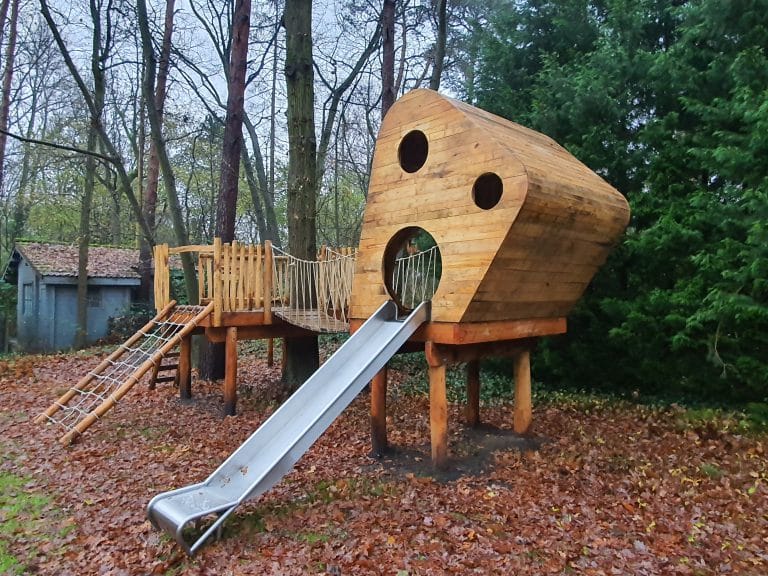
(315, 320)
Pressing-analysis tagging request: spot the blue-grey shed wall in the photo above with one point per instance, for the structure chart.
(47, 316)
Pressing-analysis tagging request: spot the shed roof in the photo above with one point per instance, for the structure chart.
(61, 260)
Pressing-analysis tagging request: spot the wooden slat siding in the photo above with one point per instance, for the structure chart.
(267, 284)
(531, 255)
(217, 283)
(258, 289)
(250, 270)
(225, 278)
(162, 286)
(242, 268)
(200, 278)
(234, 251)
(243, 282)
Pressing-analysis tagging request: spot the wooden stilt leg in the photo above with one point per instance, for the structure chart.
(438, 416)
(185, 368)
(473, 393)
(379, 413)
(270, 352)
(283, 357)
(523, 410)
(230, 374)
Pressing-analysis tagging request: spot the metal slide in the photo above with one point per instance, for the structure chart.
(272, 450)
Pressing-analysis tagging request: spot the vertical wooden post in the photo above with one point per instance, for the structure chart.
(523, 409)
(379, 413)
(268, 282)
(185, 368)
(438, 406)
(283, 357)
(218, 285)
(473, 393)
(270, 352)
(230, 372)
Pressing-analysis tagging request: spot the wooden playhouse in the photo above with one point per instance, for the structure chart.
(519, 227)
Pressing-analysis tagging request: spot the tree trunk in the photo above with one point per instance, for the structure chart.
(155, 124)
(439, 54)
(302, 356)
(387, 56)
(108, 146)
(226, 210)
(272, 231)
(83, 242)
(153, 169)
(5, 100)
(98, 53)
(212, 360)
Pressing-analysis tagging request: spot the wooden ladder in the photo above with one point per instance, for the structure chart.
(166, 370)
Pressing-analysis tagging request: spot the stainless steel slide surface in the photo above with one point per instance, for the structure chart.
(272, 450)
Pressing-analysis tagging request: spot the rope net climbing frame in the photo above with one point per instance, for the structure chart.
(314, 294)
(415, 277)
(105, 385)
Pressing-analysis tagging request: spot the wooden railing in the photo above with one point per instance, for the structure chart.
(235, 277)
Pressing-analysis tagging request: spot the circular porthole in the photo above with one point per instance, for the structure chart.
(413, 151)
(412, 267)
(487, 190)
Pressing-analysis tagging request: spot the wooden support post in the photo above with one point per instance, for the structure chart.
(438, 407)
(230, 373)
(270, 351)
(523, 409)
(268, 281)
(283, 357)
(218, 282)
(379, 413)
(185, 368)
(473, 393)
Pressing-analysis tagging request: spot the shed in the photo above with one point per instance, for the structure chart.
(521, 225)
(46, 279)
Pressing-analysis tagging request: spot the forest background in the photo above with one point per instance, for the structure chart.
(666, 99)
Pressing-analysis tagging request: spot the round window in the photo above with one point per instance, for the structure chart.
(413, 151)
(487, 190)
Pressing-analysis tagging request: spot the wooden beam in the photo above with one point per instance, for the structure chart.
(230, 373)
(456, 354)
(379, 413)
(473, 393)
(482, 332)
(270, 352)
(476, 332)
(185, 368)
(259, 332)
(523, 411)
(438, 411)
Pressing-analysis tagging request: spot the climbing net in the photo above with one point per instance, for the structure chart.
(314, 294)
(415, 277)
(102, 384)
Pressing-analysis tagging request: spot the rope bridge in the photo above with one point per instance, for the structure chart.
(314, 294)
(103, 387)
(415, 277)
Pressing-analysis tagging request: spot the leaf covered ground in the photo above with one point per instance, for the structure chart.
(599, 487)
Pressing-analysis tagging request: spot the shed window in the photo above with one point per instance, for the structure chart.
(27, 298)
(94, 298)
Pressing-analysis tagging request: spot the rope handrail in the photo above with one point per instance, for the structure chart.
(313, 294)
(415, 277)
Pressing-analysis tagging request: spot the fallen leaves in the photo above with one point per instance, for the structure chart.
(600, 489)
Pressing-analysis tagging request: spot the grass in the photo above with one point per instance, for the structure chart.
(24, 514)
